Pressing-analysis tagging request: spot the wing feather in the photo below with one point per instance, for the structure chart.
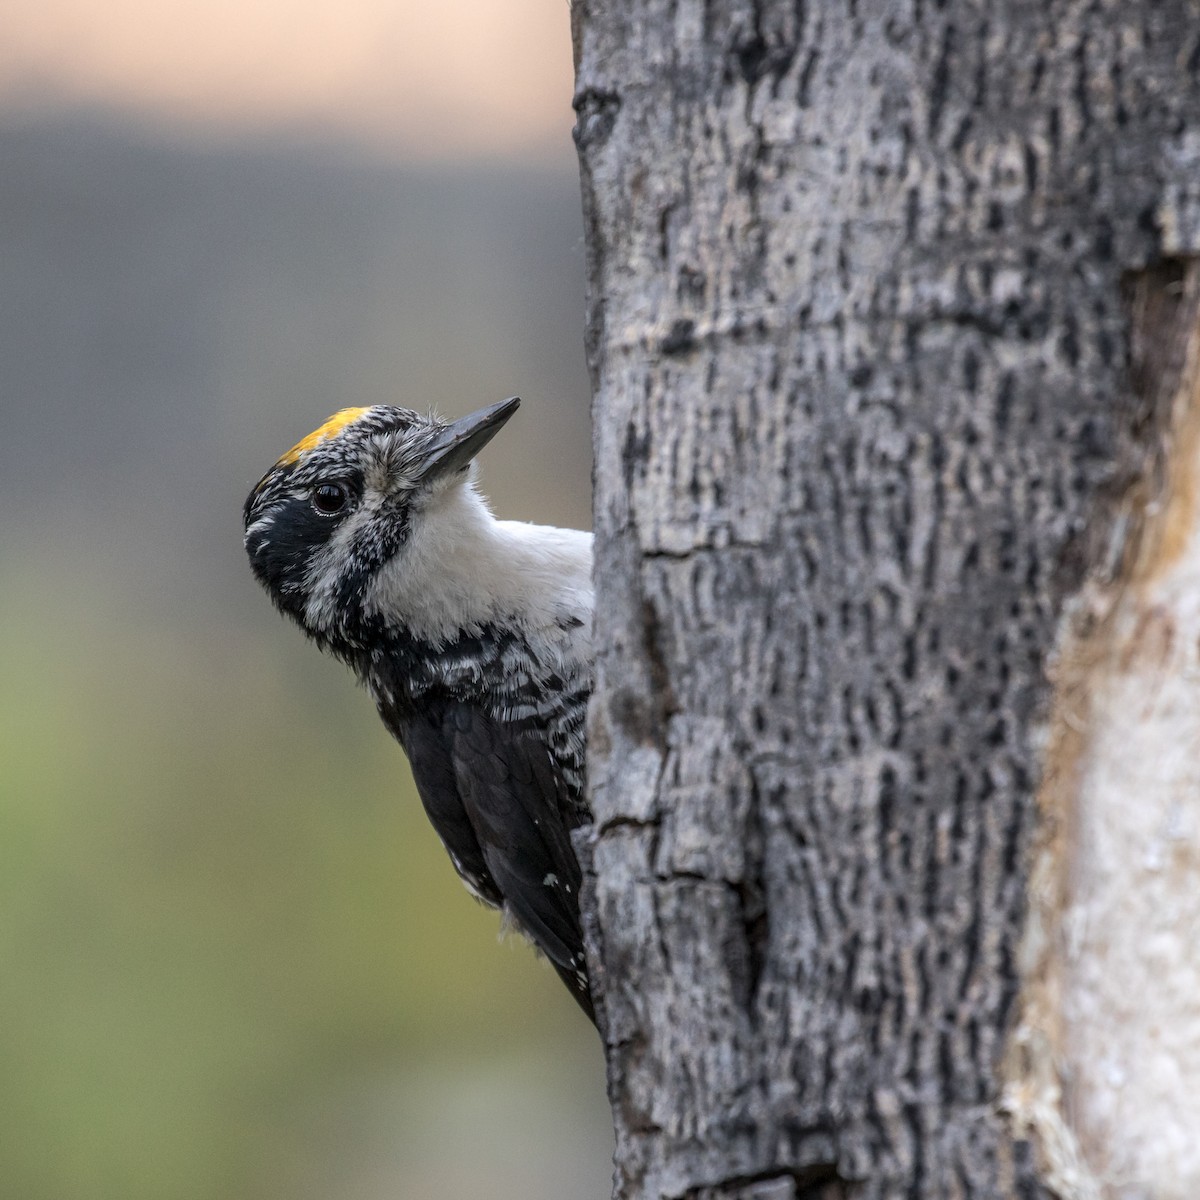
(428, 746)
(494, 795)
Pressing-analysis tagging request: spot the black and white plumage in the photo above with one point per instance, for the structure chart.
(473, 636)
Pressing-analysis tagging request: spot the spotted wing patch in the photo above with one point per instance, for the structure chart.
(331, 428)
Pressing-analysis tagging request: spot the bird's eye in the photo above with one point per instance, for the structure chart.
(329, 499)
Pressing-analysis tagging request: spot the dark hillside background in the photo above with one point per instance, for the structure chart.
(234, 961)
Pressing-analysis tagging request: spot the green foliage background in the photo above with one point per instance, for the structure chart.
(234, 960)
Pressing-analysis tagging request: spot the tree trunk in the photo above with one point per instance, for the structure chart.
(870, 461)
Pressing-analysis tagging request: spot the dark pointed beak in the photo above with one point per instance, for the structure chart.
(454, 447)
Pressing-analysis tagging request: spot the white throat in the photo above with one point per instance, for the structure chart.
(462, 569)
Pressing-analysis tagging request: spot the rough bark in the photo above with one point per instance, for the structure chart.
(865, 432)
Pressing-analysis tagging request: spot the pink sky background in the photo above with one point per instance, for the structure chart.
(432, 80)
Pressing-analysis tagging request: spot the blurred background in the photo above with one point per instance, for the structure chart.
(235, 963)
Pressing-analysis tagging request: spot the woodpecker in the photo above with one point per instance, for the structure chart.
(472, 635)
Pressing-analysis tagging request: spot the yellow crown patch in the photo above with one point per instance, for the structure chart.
(331, 428)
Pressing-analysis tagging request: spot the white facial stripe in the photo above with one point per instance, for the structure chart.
(263, 522)
(329, 565)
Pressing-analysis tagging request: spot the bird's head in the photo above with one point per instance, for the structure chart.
(350, 501)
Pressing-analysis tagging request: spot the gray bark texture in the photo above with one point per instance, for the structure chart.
(865, 426)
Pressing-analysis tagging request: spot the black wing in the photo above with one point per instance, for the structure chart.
(429, 751)
(500, 807)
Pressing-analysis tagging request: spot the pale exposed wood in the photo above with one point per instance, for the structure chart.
(1105, 1061)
